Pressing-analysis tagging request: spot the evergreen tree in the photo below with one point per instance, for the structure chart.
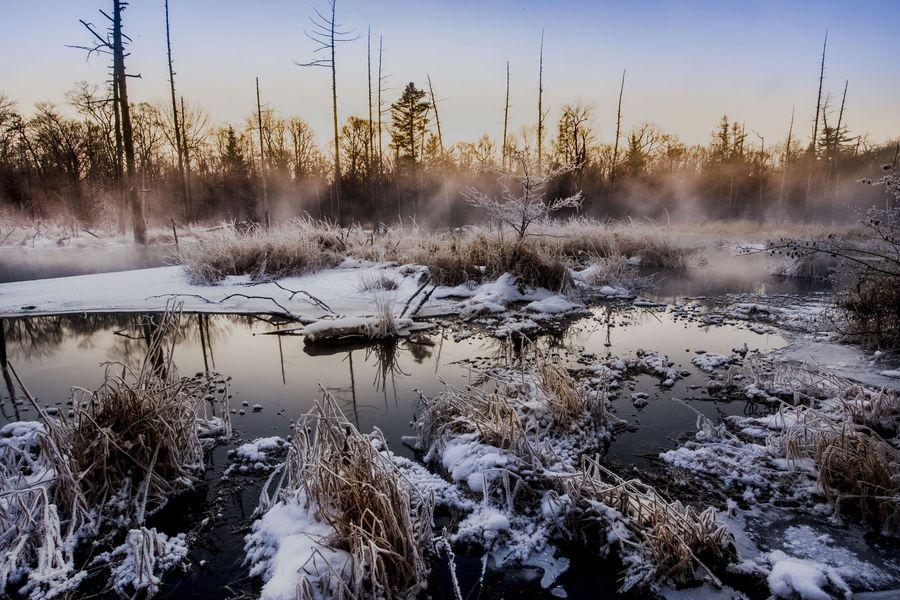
(409, 119)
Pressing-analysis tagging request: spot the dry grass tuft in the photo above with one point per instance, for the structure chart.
(858, 471)
(542, 259)
(566, 399)
(377, 282)
(293, 248)
(137, 436)
(131, 445)
(492, 416)
(379, 518)
(671, 539)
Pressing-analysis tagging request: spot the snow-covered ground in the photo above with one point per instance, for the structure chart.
(334, 302)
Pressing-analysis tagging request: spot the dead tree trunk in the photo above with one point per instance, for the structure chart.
(334, 115)
(437, 118)
(179, 148)
(370, 145)
(380, 106)
(117, 123)
(836, 148)
(138, 224)
(262, 159)
(540, 124)
(815, 132)
(327, 34)
(186, 148)
(784, 167)
(505, 152)
(615, 156)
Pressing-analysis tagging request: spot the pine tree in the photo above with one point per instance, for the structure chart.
(409, 119)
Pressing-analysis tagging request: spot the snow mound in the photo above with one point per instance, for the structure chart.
(257, 456)
(792, 577)
(553, 305)
(711, 362)
(286, 544)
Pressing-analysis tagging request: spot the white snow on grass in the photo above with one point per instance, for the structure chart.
(139, 563)
(288, 544)
(352, 310)
(466, 460)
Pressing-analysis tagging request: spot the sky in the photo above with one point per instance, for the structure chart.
(687, 62)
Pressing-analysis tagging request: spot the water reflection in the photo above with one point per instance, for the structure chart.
(375, 383)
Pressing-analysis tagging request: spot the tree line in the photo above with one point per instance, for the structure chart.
(107, 158)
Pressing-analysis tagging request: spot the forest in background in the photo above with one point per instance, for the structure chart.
(105, 160)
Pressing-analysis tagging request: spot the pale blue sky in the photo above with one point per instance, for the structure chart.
(688, 62)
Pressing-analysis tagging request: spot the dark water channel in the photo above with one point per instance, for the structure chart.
(374, 384)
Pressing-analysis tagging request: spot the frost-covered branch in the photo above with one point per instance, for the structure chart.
(520, 209)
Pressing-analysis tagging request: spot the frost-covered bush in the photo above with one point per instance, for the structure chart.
(868, 268)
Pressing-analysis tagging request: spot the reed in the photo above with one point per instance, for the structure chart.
(378, 517)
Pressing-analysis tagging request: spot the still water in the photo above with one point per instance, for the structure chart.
(376, 385)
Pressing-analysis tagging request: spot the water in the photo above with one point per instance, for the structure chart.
(375, 386)
(46, 263)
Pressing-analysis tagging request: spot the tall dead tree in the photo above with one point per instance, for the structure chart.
(815, 132)
(786, 163)
(437, 118)
(837, 139)
(615, 156)
(186, 148)
(381, 78)
(120, 160)
(540, 124)
(327, 33)
(113, 44)
(138, 225)
(179, 146)
(371, 141)
(506, 120)
(836, 142)
(262, 158)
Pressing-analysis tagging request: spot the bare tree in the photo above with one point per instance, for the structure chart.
(615, 154)
(262, 157)
(815, 132)
(327, 33)
(786, 162)
(437, 118)
(506, 119)
(114, 43)
(520, 209)
(540, 123)
(370, 145)
(381, 78)
(179, 146)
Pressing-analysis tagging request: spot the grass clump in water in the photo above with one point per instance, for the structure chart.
(343, 479)
(127, 449)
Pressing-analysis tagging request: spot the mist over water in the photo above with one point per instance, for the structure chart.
(24, 265)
